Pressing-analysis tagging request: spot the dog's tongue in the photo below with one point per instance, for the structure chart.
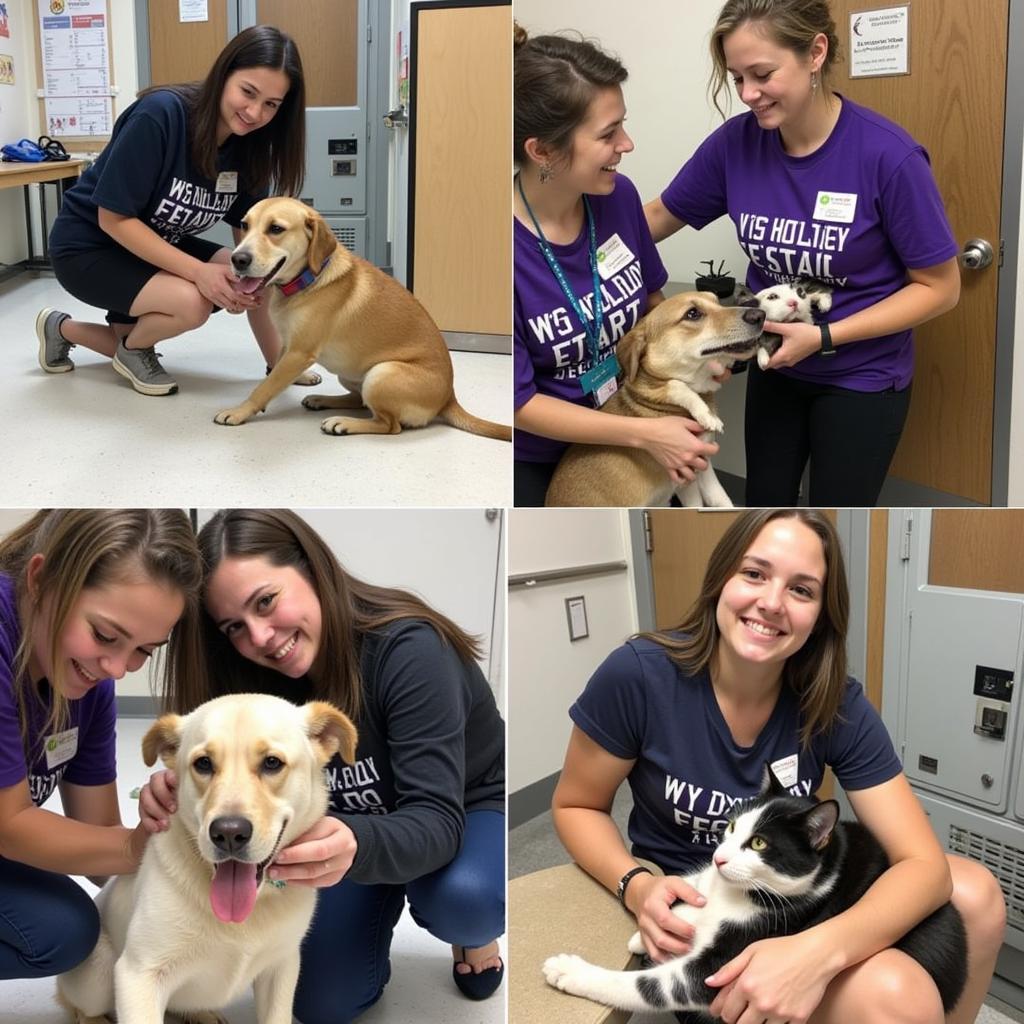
(233, 891)
(246, 284)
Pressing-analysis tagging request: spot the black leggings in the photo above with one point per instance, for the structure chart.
(531, 481)
(849, 437)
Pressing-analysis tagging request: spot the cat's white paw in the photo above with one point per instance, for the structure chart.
(636, 944)
(565, 972)
(762, 358)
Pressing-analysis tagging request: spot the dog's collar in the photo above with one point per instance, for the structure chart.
(304, 280)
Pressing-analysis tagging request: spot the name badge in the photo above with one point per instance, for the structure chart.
(836, 206)
(600, 382)
(61, 747)
(613, 256)
(785, 770)
(227, 181)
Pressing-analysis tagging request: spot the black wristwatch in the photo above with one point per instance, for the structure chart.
(826, 341)
(620, 892)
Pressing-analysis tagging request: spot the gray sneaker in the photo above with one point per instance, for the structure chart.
(53, 347)
(142, 367)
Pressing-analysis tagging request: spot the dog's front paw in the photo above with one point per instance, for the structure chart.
(710, 422)
(763, 358)
(232, 417)
(566, 972)
(315, 402)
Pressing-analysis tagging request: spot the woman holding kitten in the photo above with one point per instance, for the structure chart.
(818, 186)
(756, 673)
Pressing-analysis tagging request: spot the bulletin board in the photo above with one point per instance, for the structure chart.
(74, 71)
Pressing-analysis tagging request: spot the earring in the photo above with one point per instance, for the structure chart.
(814, 81)
(546, 173)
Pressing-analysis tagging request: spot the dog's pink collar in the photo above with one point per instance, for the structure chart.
(304, 280)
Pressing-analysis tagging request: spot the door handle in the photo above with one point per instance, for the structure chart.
(977, 254)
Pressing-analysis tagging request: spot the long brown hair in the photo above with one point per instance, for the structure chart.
(792, 24)
(272, 156)
(350, 608)
(554, 80)
(84, 548)
(817, 672)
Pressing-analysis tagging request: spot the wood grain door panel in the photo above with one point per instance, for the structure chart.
(952, 102)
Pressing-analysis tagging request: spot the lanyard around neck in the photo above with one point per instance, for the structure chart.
(591, 329)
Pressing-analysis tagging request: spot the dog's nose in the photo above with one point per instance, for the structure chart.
(754, 317)
(230, 834)
(241, 260)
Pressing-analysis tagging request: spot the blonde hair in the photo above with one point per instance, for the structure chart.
(792, 24)
(817, 672)
(85, 548)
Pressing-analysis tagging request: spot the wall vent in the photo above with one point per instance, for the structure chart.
(1004, 861)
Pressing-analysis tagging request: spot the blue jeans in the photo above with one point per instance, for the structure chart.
(48, 923)
(346, 953)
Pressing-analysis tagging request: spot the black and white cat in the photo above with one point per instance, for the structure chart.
(802, 300)
(784, 864)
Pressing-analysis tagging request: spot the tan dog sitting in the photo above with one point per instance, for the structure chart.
(669, 361)
(334, 308)
(199, 922)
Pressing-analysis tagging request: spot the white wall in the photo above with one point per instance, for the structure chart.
(1016, 488)
(664, 46)
(547, 671)
(19, 105)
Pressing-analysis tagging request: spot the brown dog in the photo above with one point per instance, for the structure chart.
(668, 361)
(352, 319)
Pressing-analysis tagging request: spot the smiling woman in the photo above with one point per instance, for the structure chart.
(86, 595)
(181, 159)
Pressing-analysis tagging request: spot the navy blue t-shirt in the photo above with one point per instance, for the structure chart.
(146, 171)
(689, 771)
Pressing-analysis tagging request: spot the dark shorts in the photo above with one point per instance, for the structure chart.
(111, 277)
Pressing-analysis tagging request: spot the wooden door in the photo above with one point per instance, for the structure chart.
(980, 549)
(952, 102)
(326, 33)
(184, 51)
(460, 210)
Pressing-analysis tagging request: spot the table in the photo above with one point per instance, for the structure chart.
(62, 175)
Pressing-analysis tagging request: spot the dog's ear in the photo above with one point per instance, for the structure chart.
(630, 350)
(162, 740)
(321, 244)
(331, 731)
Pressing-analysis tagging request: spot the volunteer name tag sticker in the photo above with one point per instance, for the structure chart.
(838, 207)
(227, 181)
(61, 747)
(613, 256)
(785, 770)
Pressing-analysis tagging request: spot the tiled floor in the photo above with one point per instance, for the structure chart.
(421, 987)
(86, 438)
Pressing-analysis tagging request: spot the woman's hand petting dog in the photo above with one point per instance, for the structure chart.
(799, 341)
(214, 283)
(319, 857)
(157, 801)
(675, 441)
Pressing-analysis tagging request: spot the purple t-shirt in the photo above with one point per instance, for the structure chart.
(856, 214)
(689, 770)
(82, 752)
(551, 349)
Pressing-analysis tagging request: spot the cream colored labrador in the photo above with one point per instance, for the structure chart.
(199, 923)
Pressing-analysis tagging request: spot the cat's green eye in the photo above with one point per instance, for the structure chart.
(730, 827)
(758, 844)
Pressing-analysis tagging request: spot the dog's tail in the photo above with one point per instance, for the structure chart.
(454, 415)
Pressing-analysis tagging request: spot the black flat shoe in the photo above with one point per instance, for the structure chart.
(477, 986)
